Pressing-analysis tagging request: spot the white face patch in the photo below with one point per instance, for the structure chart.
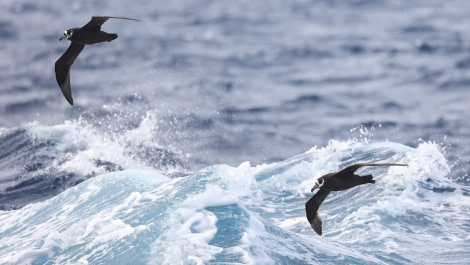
(68, 33)
(320, 184)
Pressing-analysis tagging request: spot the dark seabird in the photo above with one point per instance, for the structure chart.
(91, 33)
(336, 181)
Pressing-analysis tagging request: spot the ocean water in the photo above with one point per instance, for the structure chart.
(197, 134)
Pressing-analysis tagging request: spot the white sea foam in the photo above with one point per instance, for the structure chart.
(250, 215)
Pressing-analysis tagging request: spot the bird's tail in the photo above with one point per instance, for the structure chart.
(367, 179)
(112, 36)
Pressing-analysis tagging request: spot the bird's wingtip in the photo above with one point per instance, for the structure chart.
(316, 224)
(69, 99)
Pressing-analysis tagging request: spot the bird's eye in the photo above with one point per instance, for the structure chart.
(68, 33)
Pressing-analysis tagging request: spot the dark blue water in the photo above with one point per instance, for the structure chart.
(199, 83)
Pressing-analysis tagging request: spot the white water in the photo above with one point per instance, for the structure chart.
(252, 215)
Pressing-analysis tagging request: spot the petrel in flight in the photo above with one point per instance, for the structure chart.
(336, 181)
(91, 33)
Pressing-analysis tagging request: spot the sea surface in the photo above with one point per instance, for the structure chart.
(197, 135)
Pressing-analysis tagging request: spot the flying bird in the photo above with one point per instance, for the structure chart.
(89, 34)
(336, 181)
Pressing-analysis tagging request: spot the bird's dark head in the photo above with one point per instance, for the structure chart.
(318, 183)
(67, 34)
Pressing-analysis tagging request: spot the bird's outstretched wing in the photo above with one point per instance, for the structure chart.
(62, 69)
(351, 169)
(96, 22)
(311, 208)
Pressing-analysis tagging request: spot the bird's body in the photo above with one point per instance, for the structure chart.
(334, 181)
(84, 37)
(337, 181)
(89, 34)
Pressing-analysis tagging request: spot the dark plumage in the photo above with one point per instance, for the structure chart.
(336, 181)
(91, 33)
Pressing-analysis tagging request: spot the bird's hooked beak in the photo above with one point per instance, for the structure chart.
(64, 36)
(318, 184)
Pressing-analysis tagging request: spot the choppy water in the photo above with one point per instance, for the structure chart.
(149, 165)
